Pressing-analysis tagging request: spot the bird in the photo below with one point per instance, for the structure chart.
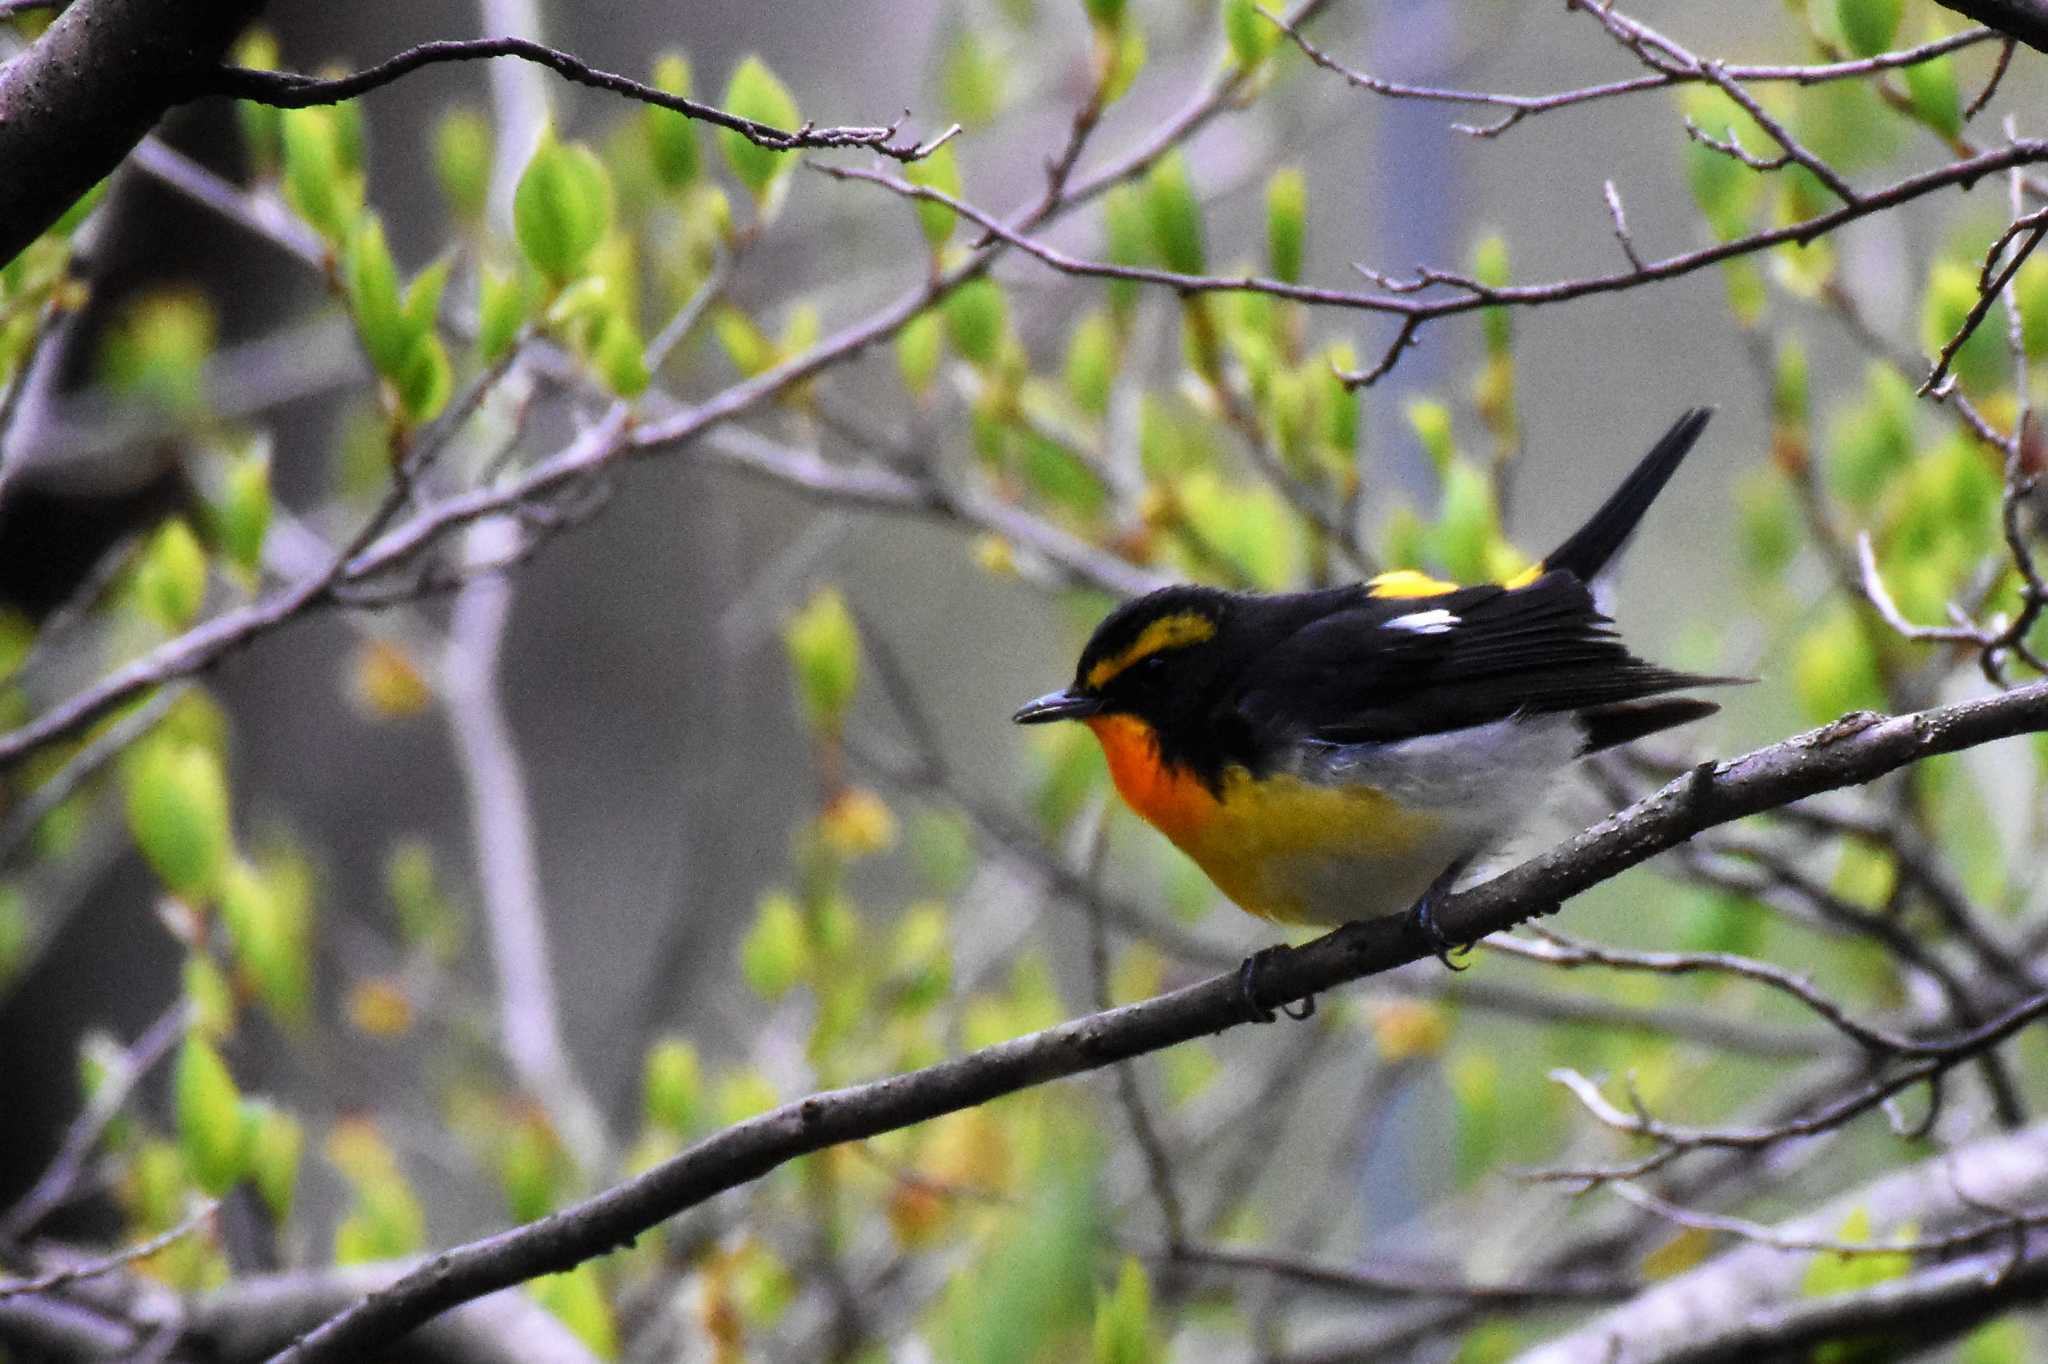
(1338, 754)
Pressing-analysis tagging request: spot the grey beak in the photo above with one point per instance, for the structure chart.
(1058, 705)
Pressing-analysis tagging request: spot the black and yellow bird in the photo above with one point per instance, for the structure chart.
(1333, 755)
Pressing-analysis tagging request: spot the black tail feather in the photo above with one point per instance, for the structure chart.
(1588, 551)
(1607, 726)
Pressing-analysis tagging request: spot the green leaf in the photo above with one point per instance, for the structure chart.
(1869, 25)
(774, 954)
(921, 958)
(1251, 37)
(755, 93)
(1431, 421)
(621, 359)
(940, 172)
(977, 320)
(2031, 292)
(974, 78)
(1123, 1319)
(257, 50)
(919, 348)
(14, 934)
(671, 136)
(531, 1167)
(1093, 357)
(208, 996)
(1173, 216)
(577, 1299)
(1490, 267)
(317, 180)
(1126, 241)
(177, 803)
(170, 580)
(386, 1220)
(1835, 669)
(157, 349)
(370, 279)
(462, 161)
(1108, 14)
(824, 652)
(275, 1144)
(1286, 223)
(503, 303)
(1124, 59)
(673, 1085)
(562, 208)
(745, 344)
(271, 938)
(242, 515)
(1873, 439)
(1932, 90)
(425, 380)
(209, 1114)
(1768, 522)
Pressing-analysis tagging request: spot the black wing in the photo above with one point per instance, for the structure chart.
(1386, 669)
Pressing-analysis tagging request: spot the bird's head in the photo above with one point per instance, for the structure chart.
(1152, 658)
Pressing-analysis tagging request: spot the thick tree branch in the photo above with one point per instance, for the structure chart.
(1856, 749)
(2026, 20)
(80, 98)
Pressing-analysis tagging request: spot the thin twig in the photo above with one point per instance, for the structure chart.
(292, 90)
(57, 1181)
(1519, 107)
(114, 1263)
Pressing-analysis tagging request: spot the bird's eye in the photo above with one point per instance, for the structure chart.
(1153, 666)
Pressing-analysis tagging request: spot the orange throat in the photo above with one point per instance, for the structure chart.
(1172, 799)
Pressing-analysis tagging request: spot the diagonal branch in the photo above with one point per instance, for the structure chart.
(291, 90)
(1857, 749)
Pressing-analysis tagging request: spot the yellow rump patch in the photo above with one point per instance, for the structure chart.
(1408, 582)
(1176, 631)
(1526, 576)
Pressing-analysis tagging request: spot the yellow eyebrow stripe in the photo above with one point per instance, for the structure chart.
(1176, 631)
(1408, 582)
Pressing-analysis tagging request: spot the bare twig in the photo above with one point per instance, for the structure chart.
(1991, 83)
(1397, 1280)
(292, 90)
(57, 1181)
(1674, 1140)
(1556, 949)
(1519, 107)
(2034, 225)
(1628, 246)
(114, 1263)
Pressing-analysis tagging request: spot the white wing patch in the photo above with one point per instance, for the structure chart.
(1433, 622)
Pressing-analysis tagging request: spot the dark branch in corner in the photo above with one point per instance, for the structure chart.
(1856, 749)
(84, 93)
(2026, 20)
(291, 90)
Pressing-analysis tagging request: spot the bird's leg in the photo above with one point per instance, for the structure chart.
(1248, 989)
(1423, 916)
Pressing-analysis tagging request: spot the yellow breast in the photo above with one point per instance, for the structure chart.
(1281, 848)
